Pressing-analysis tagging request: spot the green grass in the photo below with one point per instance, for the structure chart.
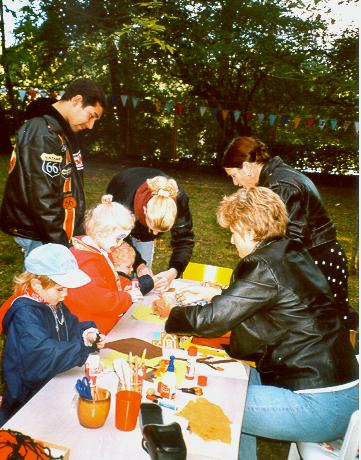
(212, 242)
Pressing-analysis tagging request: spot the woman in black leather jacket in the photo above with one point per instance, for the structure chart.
(248, 162)
(159, 205)
(281, 314)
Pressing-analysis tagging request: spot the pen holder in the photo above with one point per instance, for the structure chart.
(93, 413)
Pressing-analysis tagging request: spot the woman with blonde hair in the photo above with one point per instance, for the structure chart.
(281, 314)
(159, 205)
(103, 299)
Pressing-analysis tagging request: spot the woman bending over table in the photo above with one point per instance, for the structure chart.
(281, 314)
(248, 162)
(159, 205)
(103, 300)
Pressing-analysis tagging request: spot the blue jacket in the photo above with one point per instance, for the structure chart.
(35, 351)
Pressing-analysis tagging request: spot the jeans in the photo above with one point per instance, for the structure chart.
(278, 413)
(27, 245)
(145, 249)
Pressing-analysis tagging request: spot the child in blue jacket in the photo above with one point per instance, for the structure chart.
(43, 338)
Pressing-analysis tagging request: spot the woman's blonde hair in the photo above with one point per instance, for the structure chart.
(107, 218)
(256, 209)
(23, 281)
(162, 207)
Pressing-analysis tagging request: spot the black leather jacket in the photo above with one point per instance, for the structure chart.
(123, 187)
(280, 313)
(44, 197)
(307, 214)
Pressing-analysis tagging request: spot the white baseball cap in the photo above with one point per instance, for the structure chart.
(58, 263)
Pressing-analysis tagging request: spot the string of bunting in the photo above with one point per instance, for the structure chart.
(272, 119)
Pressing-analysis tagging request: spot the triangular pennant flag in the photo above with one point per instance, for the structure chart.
(33, 93)
(346, 125)
(272, 118)
(158, 105)
(214, 110)
(356, 124)
(333, 123)
(124, 99)
(53, 94)
(260, 117)
(43, 93)
(168, 106)
(310, 121)
(284, 120)
(225, 114)
(202, 110)
(179, 108)
(322, 123)
(135, 101)
(236, 115)
(111, 100)
(61, 93)
(248, 116)
(297, 121)
(22, 94)
(147, 105)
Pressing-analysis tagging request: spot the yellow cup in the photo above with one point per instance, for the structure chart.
(93, 413)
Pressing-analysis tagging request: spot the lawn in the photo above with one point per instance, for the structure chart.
(212, 246)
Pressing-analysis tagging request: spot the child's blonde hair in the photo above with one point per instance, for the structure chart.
(162, 207)
(23, 281)
(108, 217)
(123, 254)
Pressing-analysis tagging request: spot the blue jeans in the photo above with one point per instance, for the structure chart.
(278, 413)
(145, 249)
(27, 245)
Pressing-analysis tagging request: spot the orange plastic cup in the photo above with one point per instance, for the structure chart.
(93, 413)
(127, 405)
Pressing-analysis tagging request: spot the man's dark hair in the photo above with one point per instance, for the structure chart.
(91, 92)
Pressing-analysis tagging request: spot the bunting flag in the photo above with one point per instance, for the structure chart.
(248, 116)
(333, 123)
(22, 94)
(202, 110)
(236, 115)
(272, 118)
(158, 105)
(224, 114)
(296, 122)
(168, 106)
(124, 99)
(310, 121)
(179, 108)
(284, 120)
(135, 101)
(322, 123)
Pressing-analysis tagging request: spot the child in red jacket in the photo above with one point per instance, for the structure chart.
(103, 300)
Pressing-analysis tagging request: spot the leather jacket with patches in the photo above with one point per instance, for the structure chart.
(281, 315)
(44, 197)
(308, 219)
(124, 186)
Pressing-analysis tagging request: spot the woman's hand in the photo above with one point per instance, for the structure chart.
(196, 294)
(142, 270)
(161, 308)
(163, 280)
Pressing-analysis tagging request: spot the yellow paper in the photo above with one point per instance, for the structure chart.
(145, 313)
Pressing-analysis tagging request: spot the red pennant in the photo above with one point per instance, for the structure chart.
(310, 122)
(179, 108)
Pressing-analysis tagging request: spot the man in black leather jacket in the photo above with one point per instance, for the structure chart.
(44, 198)
(281, 314)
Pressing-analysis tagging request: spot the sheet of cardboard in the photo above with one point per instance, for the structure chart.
(136, 346)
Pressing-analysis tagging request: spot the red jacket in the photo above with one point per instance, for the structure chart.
(102, 300)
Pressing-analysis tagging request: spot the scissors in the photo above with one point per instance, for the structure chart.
(83, 388)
